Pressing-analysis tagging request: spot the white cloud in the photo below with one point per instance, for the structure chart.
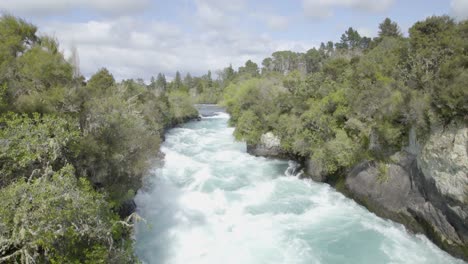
(324, 8)
(210, 16)
(54, 7)
(132, 48)
(367, 32)
(459, 9)
(218, 33)
(218, 14)
(225, 5)
(273, 21)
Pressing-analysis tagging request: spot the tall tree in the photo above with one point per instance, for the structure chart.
(177, 82)
(101, 80)
(314, 59)
(388, 28)
(229, 73)
(161, 83)
(353, 38)
(188, 80)
(152, 84)
(209, 80)
(329, 48)
(267, 64)
(250, 68)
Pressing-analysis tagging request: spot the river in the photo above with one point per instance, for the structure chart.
(213, 203)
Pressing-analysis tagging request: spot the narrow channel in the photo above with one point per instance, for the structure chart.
(212, 202)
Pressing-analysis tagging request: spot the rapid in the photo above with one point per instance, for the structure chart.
(213, 203)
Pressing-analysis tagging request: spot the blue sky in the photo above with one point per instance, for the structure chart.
(139, 38)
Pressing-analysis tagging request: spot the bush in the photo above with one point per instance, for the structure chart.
(181, 106)
(59, 219)
(28, 145)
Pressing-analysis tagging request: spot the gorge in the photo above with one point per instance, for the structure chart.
(211, 202)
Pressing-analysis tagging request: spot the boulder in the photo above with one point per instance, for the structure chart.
(387, 189)
(269, 146)
(313, 170)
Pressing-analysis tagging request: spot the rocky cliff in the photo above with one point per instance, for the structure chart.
(426, 190)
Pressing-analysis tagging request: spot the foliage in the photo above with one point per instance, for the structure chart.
(16, 35)
(357, 99)
(181, 106)
(73, 153)
(101, 80)
(388, 28)
(117, 142)
(29, 145)
(250, 68)
(383, 172)
(248, 127)
(58, 218)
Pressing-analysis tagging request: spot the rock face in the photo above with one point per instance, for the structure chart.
(424, 186)
(444, 162)
(427, 191)
(314, 170)
(269, 146)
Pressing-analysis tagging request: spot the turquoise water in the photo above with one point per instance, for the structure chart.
(213, 203)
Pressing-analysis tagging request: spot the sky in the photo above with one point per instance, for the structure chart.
(140, 38)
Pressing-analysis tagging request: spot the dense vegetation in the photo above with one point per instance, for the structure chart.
(357, 99)
(72, 153)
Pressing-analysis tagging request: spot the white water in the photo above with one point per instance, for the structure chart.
(213, 203)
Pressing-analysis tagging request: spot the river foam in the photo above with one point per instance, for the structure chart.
(214, 203)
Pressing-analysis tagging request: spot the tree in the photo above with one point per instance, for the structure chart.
(17, 36)
(59, 131)
(161, 83)
(365, 43)
(434, 32)
(285, 61)
(248, 127)
(43, 75)
(58, 218)
(433, 41)
(199, 86)
(101, 80)
(32, 69)
(188, 81)
(181, 106)
(177, 82)
(209, 80)
(33, 144)
(388, 28)
(322, 46)
(152, 84)
(293, 82)
(250, 68)
(228, 74)
(329, 48)
(314, 59)
(267, 64)
(352, 40)
(75, 62)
